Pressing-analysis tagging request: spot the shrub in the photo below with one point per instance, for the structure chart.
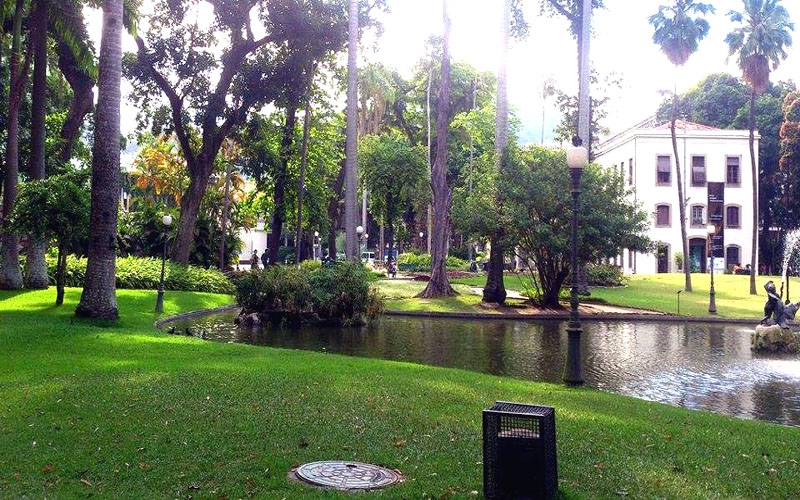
(145, 272)
(339, 293)
(423, 261)
(604, 275)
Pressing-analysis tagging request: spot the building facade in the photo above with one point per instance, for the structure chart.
(718, 189)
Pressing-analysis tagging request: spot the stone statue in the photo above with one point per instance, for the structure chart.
(781, 314)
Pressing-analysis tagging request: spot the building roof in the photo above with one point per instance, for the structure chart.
(684, 125)
(652, 127)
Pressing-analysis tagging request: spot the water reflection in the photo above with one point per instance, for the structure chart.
(697, 366)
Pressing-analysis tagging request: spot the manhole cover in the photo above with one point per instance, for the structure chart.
(347, 475)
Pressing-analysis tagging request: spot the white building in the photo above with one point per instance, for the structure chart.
(644, 155)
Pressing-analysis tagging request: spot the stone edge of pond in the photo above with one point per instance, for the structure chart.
(549, 316)
(561, 316)
(195, 314)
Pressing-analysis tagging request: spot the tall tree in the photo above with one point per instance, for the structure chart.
(439, 285)
(758, 42)
(495, 290)
(394, 172)
(10, 275)
(351, 145)
(99, 298)
(179, 62)
(678, 34)
(35, 264)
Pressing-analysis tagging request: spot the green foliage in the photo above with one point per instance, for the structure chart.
(537, 213)
(604, 274)
(54, 208)
(145, 273)
(340, 293)
(423, 261)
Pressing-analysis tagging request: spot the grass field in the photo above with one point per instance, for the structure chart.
(655, 292)
(124, 411)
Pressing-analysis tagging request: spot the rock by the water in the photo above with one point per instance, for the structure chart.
(773, 338)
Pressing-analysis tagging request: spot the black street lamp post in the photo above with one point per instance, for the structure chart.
(167, 221)
(577, 159)
(712, 303)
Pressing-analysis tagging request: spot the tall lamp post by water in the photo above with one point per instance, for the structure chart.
(577, 159)
(316, 244)
(167, 220)
(712, 303)
(360, 233)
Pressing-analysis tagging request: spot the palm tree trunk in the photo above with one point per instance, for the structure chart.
(754, 171)
(10, 274)
(301, 182)
(439, 285)
(687, 271)
(35, 265)
(99, 299)
(351, 144)
(495, 290)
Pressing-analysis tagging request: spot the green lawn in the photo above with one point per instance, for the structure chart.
(655, 292)
(125, 411)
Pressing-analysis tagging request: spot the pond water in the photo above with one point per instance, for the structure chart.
(699, 366)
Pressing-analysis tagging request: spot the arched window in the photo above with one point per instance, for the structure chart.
(663, 216)
(733, 219)
(698, 216)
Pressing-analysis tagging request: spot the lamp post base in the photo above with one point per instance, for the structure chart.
(573, 374)
(712, 303)
(160, 300)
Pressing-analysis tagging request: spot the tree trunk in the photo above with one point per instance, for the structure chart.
(99, 299)
(334, 211)
(279, 198)
(687, 271)
(190, 206)
(82, 86)
(10, 274)
(61, 271)
(35, 264)
(351, 145)
(301, 182)
(495, 290)
(754, 170)
(439, 286)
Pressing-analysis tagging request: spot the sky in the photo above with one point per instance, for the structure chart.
(621, 45)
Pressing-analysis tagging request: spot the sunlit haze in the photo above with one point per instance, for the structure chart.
(621, 44)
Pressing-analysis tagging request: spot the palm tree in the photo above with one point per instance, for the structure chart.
(495, 290)
(678, 33)
(10, 275)
(99, 298)
(759, 42)
(35, 264)
(351, 144)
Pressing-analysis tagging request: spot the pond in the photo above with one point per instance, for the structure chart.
(699, 366)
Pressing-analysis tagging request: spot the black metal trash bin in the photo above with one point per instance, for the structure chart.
(519, 452)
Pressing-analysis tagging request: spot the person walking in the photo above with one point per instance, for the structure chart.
(254, 260)
(264, 259)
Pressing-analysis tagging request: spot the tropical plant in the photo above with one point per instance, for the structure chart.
(54, 208)
(678, 33)
(759, 43)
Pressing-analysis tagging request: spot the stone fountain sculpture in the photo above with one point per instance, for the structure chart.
(773, 333)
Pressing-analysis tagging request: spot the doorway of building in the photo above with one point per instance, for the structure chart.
(662, 254)
(697, 255)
